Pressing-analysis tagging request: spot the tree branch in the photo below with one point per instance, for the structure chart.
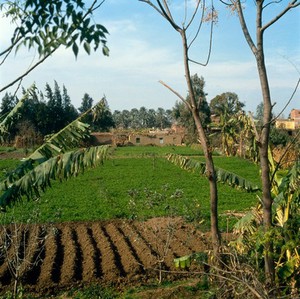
(199, 27)
(167, 10)
(288, 102)
(176, 93)
(28, 71)
(244, 26)
(168, 16)
(210, 45)
(89, 11)
(194, 14)
(290, 6)
(153, 6)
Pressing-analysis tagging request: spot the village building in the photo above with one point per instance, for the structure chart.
(150, 137)
(290, 124)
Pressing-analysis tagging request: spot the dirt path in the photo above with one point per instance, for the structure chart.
(117, 252)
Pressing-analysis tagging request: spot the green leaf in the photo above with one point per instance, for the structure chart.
(75, 49)
(105, 50)
(183, 262)
(87, 47)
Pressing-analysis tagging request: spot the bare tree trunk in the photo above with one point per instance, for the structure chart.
(264, 163)
(264, 143)
(211, 174)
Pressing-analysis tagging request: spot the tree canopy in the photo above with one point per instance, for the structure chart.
(226, 103)
(48, 25)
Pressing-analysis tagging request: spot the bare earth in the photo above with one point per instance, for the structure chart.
(117, 253)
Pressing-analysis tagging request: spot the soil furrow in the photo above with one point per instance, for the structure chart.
(109, 268)
(4, 245)
(88, 268)
(78, 256)
(97, 255)
(152, 235)
(144, 254)
(49, 272)
(116, 254)
(6, 251)
(111, 252)
(35, 255)
(58, 256)
(130, 262)
(191, 238)
(15, 253)
(68, 266)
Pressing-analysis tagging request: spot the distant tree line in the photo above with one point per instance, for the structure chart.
(143, 118)
(46, 112)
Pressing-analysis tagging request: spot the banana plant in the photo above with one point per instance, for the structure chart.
(223, 175)
(66, 139)
(61, 167)
(55, 159)
(9, 119)
(286, 221)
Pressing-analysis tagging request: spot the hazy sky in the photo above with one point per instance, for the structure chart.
(145, 49)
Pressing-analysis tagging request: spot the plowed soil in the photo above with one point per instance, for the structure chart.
(59, 256)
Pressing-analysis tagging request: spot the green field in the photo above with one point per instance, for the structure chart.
(137, 182)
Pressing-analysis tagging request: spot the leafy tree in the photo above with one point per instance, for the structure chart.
(48, 25)
(55, 108)
(134, 118)
(226, 104)
(126, 118)
(143, 118)
(12, 117)
(104, 120)
(162, 119)
(151, 118)
(227, 107)
(259, 115)
(8, 103)
(184, 116)
(86, 103)
(279, 137)
(70, 111)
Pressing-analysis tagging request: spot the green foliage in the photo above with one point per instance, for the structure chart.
(156, 151)
(226, 104)
(46, 25)
(47, 162)
(93, 291)
(184, 116)
(184, 262)
(8, 103)
(284, 234)
(104, 192)
(13, 115)
(59, 167)
(279, 137)
(86, 103)
(223, 175)
(142, 118)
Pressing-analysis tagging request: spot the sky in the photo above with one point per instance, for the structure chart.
(144, 49)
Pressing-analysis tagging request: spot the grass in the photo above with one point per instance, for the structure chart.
(157, 151)
(7, 165)
(140, 185)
